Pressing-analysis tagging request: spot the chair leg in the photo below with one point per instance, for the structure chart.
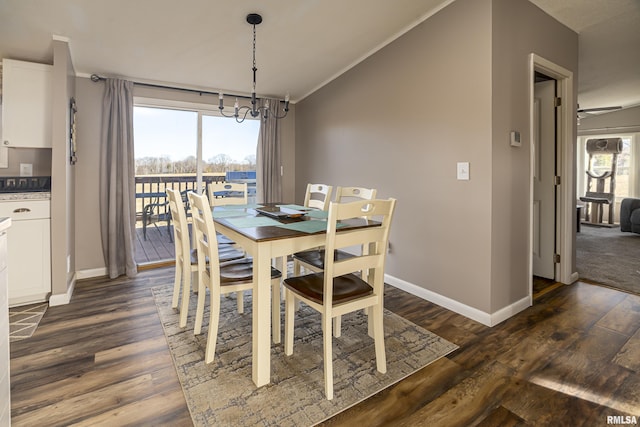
(202, 293)
(289, 313)
(337, 321)
(186, 292)
(328, 356)
(214, 321)
(375, 316)
(240, 300)
(176, 284)
(275, 310)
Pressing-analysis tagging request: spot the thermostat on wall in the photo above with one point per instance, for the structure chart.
(515, 139)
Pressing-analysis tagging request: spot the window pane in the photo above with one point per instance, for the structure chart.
(165, 140)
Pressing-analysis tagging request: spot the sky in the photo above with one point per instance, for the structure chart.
(173, 133)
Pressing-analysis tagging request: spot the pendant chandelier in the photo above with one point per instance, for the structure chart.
(240, 113)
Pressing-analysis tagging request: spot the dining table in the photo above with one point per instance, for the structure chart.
(266, 238)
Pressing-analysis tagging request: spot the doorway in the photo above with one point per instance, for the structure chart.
(544, 173)
(552, 222)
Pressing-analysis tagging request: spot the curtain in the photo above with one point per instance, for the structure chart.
(269, 179)
(117, 179)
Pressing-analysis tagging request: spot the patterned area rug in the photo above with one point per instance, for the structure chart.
(223, 394)
(24, 320)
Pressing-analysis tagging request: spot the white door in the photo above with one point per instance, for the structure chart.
(544, 195)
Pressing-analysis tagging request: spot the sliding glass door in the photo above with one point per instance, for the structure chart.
(185, 149)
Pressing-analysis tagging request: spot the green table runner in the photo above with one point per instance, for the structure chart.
(308, 226)
(252, 221)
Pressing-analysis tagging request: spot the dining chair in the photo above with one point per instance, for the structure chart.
(227, 193)
(186, 258)
(318, 196)
(339, 289)
(222, 278)
(313, 259)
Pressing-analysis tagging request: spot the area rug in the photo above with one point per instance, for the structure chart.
(24, 320)
(609, 256)
(223, 394)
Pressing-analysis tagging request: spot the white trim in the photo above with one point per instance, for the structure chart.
(458, 307)
(63, 299)
(91, 273)
(565, 210)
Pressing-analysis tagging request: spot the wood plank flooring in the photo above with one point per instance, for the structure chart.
(571, 359)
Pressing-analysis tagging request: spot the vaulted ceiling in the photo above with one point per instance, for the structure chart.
(300, 45)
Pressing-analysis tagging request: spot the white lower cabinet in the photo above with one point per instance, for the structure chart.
(5, 388)
(30, 253)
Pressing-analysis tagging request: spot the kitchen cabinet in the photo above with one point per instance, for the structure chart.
(30, 254)
(27, 91)
(5, 389)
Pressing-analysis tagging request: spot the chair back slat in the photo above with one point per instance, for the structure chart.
(206, 241)
(318, 196)
(228, 193)
(347, 194)
(180, 227)
(374, 238)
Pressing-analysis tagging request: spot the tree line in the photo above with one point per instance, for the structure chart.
(218, 163)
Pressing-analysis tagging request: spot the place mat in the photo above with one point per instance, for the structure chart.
(24, 320)
(247, 206)
(223, 394)
(312, 226)
(318, 214)
(253, 221)
(230, 213)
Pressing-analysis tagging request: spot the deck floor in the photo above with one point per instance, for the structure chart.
(157, 247)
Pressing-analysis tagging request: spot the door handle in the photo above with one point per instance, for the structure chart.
(21, 210)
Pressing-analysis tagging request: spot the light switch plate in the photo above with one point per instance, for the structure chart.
(26, 169)
(463, 171)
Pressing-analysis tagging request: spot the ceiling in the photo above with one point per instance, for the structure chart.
(301, 45)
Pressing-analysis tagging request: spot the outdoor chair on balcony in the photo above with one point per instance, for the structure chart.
(154, 212)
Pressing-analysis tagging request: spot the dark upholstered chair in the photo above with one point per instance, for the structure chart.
(630, 215)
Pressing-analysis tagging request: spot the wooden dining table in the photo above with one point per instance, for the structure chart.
(265, 238)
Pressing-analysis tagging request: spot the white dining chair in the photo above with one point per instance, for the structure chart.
(339, 289)
(318, 196)
(313, 259)
(186, 259)
(222, 278)
(227, 193)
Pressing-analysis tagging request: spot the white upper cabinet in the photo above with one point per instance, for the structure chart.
(26, 104)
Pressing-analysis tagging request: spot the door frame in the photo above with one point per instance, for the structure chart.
(565, 139)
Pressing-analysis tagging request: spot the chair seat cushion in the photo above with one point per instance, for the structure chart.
(241, 270)
(225, 253)
(224, 240)
(345, 288)
(315, 257)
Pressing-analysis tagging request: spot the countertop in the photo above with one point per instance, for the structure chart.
(36, 195)
(4, 223)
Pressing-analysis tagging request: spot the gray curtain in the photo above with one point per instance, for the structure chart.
(117, 179)
(269, 180)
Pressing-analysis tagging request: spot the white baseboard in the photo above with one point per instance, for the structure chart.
(91, 273)
(63, 299)
(486, 319)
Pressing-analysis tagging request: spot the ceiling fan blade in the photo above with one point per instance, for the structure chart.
(589, 110)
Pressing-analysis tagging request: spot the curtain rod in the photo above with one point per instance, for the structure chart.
(96, 78)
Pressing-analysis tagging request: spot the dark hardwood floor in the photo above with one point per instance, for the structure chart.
(571, 359)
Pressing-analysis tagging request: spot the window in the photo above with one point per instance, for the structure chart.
(627, 167)
(183, 146)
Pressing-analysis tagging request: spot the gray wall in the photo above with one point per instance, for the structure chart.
(62, 174)
(89, 96)
(449, 90)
